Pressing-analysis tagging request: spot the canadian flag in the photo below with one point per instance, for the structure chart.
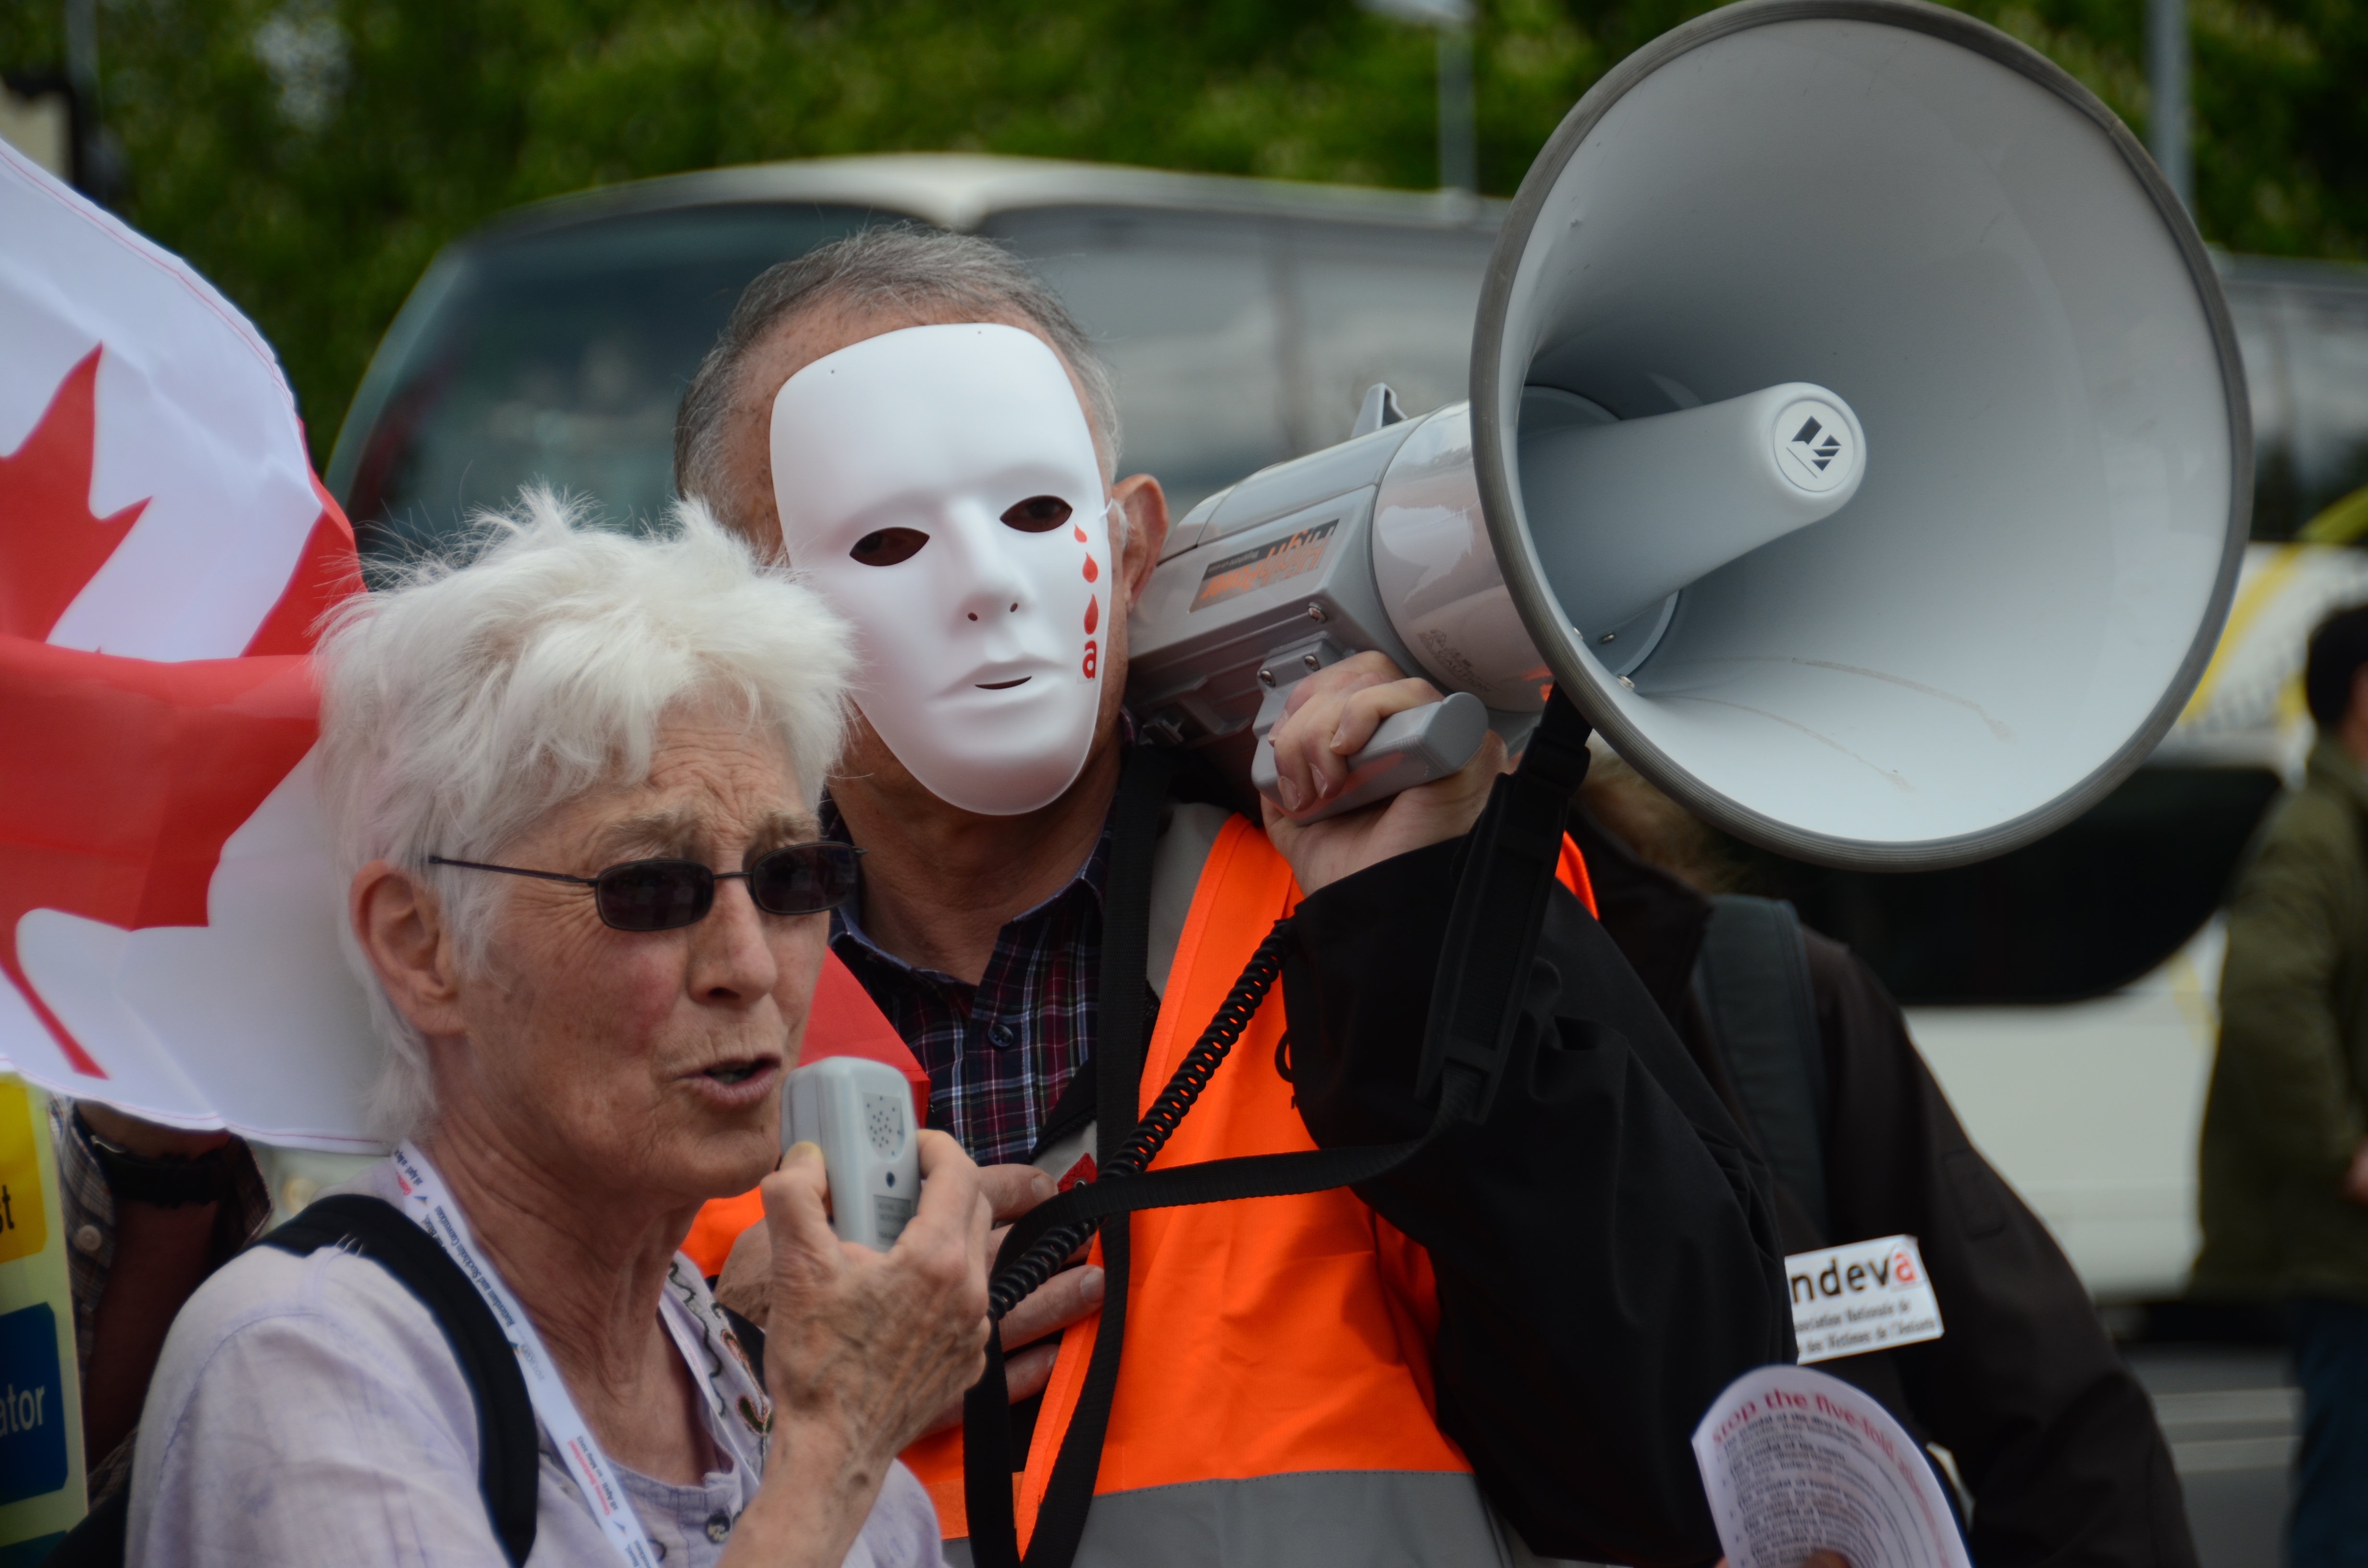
(168, 904)
(169, 914)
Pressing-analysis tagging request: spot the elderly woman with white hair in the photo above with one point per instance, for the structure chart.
(573, 788)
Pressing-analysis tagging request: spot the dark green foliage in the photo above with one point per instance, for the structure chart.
(311, 155)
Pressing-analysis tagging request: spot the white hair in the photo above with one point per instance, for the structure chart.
(464, 703)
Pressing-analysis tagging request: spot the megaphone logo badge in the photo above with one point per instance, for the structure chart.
(1815, 447)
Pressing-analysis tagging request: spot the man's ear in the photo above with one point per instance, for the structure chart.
(401, 928)
(1146, 530)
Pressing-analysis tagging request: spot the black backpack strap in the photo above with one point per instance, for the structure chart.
(1118, 1072)
(1752, 979)
(508, 1460)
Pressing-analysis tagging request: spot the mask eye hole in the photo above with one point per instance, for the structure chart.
(888, 546)
(1038, 514)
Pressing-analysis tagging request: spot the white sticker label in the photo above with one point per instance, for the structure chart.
(1867, 1296)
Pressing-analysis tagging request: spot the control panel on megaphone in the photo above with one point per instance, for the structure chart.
(1856, 437)
(860, 1113)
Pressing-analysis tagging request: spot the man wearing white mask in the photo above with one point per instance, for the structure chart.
(1520, 1327)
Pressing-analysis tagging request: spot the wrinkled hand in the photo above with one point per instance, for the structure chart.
(1068, 1297)
(862, 1349)
(1329, 719)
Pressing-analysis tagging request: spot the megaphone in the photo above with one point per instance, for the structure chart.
(1857, 434)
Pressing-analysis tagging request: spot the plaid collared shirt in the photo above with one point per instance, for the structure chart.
(998, 1053)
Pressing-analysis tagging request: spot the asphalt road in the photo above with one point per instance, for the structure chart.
(2232, 1416)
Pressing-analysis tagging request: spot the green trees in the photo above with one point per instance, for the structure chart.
(311, 155)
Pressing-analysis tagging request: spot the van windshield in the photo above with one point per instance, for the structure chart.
(560, 356)
(1236, 342)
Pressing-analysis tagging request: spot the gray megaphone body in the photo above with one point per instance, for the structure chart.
(1857, 434)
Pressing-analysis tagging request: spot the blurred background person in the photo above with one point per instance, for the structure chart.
(2284, 1163)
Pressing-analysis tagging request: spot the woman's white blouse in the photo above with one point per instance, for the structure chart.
(308, 1411)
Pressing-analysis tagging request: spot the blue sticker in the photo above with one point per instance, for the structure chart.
(32, 1409)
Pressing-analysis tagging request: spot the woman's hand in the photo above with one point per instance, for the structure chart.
(1069, 1296)
(864, 1348)
(861, 1349)
(1329, 719)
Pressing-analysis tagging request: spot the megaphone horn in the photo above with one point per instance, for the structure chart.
(1856, 436)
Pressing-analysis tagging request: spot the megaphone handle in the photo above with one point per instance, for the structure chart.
(1409, 748)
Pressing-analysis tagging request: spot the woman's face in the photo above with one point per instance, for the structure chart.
(649, 1060)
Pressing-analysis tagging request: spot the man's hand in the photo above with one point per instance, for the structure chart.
(2355, 1180)
(1329, 719)
(1068, 1297)
(1073, 1294)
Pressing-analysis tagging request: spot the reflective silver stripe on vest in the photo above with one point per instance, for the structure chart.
(1385, 1518)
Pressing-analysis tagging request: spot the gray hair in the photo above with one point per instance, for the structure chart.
(890, 267)
(477, 694)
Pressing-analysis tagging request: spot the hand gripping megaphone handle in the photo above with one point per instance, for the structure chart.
(1409, 748)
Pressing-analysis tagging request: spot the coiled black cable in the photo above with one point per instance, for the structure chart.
(1040, 1262)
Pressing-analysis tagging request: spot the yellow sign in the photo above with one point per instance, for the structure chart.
(42, 1493)
(23, 1218)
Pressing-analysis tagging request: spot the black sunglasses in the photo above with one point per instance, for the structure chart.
(663, 895)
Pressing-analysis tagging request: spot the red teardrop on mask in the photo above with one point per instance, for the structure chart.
(1093, 572)
(1093, 613)
(1081, 537)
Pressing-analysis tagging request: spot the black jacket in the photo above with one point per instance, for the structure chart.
(1605, 1245)
(2051, 1433)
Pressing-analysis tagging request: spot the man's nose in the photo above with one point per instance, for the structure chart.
(994, 586)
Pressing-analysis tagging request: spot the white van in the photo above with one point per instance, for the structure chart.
(2063, 993)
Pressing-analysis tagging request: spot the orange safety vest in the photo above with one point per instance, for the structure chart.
(1274, 1402)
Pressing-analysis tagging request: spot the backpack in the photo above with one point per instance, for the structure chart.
(507, 1446)
(1752, 981)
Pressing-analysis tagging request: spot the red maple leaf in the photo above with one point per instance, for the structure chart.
(132, 773)
(51, 544)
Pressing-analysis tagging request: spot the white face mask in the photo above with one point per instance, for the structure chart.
(939, 487)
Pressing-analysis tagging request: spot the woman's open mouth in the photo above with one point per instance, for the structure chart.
(746, 1080)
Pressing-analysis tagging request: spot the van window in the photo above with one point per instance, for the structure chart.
(2083, 912)
(562, 357)
(1373, 305)
(1183, 310)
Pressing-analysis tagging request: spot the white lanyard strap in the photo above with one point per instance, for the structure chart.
(426, 1202)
